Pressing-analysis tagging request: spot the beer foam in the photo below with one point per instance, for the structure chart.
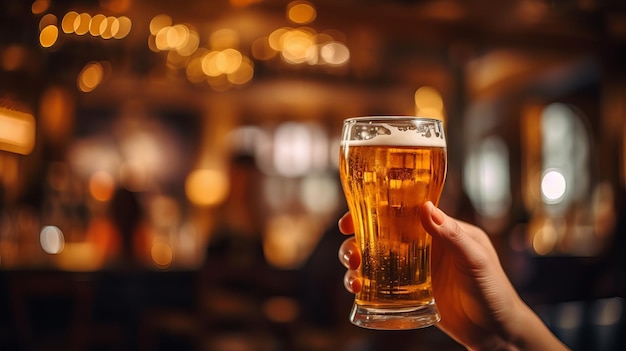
(428, 135)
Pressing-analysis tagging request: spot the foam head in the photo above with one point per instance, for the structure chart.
(392, 130)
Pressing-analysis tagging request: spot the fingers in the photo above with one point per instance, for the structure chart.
(346, 226)
(350, 257)
(439, 224)
(349, 254)
(466, 240)
(352, 282)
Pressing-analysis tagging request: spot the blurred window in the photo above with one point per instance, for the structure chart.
(565, 158)
(487, 177)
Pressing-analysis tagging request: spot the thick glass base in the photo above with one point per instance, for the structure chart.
(396, 318)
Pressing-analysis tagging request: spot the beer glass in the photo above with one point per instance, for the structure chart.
(389, 167)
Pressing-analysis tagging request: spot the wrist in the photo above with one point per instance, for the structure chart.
(525, 331)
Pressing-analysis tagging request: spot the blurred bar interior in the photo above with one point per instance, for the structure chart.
(168, 170)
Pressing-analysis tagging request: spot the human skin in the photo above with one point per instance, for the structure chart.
(479, 306)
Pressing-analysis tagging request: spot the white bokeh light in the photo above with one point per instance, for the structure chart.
(553, 186)
(52, 239)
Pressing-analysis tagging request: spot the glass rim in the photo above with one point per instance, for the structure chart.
(383, 118)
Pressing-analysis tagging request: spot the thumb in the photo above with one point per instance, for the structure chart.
(448, 232)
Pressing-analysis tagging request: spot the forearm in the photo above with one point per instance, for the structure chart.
(527, 332)
(533, 334)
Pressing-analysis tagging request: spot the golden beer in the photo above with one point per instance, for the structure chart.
(390, 166)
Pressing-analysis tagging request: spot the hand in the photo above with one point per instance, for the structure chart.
(479, 306)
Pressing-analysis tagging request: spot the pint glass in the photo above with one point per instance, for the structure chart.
(390, 166)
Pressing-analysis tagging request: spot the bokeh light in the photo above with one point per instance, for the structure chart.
(17, 131)
(40, 6)
(301, 12)
(544, 240)
(429, 103)
(97, 25)
(101, 186)
(47, 20)
(335, 53)
(48, 36)
(124, 27)
(68, 22)
(162, 254)
(243, 74)
(553, 186)
(51, 239)
(159, 22)
(90, 77)
(82, 23)
(206, 187)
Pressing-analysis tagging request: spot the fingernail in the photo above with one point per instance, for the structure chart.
(353, 285)
(437, 215)
(346, 256)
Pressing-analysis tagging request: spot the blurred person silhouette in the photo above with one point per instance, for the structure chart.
(237, 235)
(127, 214)
(235, 277)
